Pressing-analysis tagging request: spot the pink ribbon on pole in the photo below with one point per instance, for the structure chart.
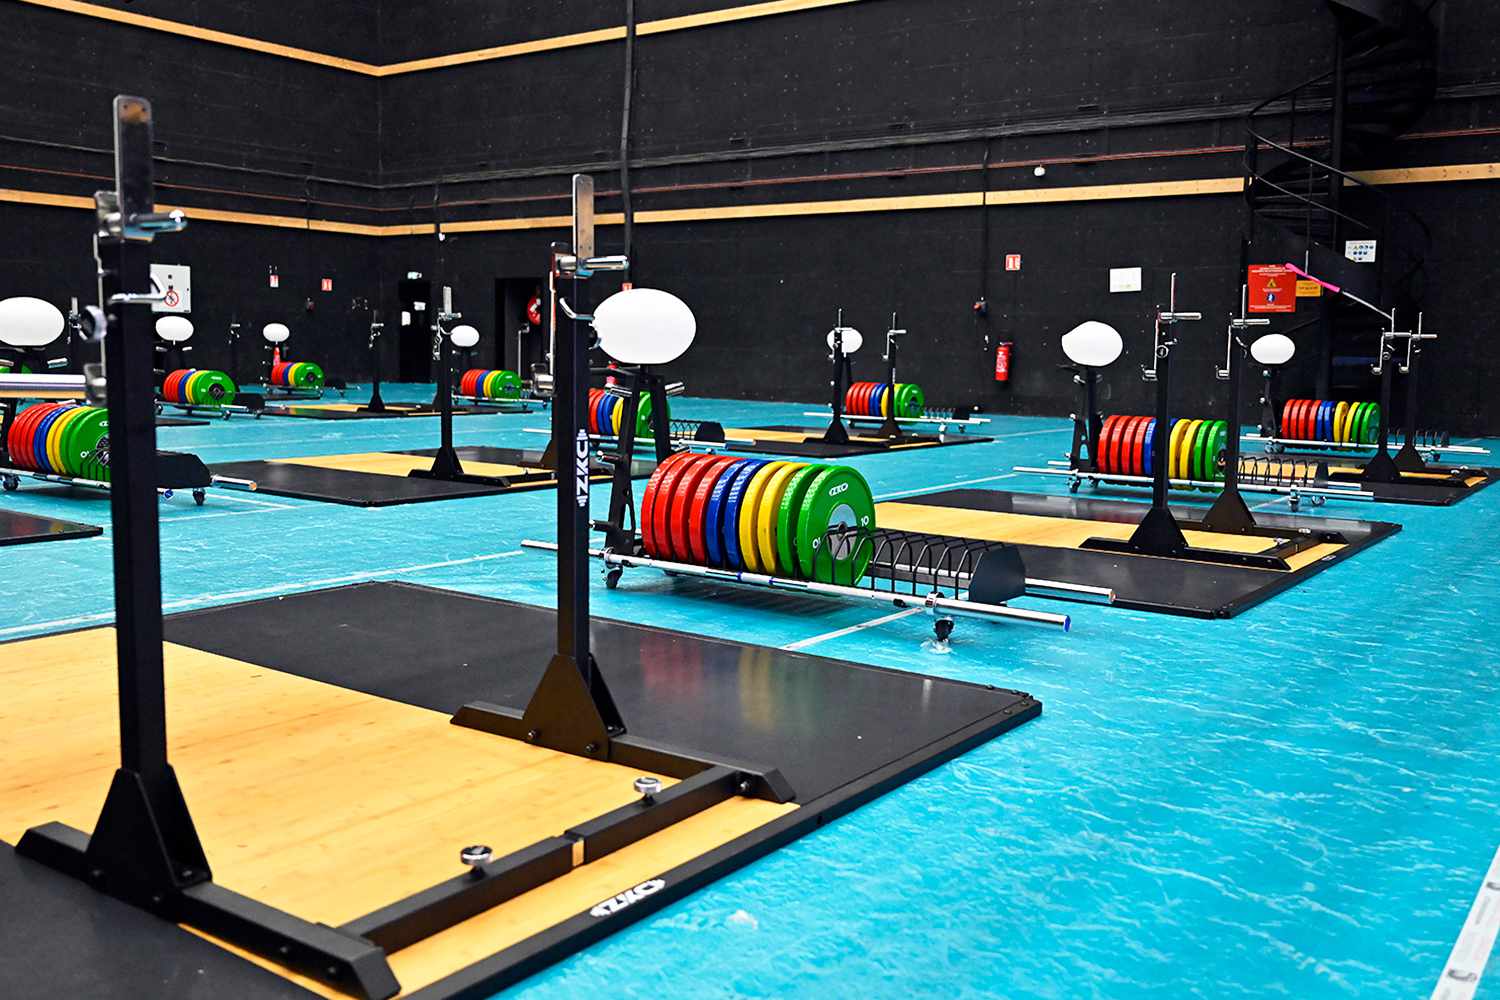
(1303, 274)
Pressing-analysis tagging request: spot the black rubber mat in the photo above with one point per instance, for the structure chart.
(823, 722)
(1147, 583)
(310, 411)
(353, 489)
(21, 529)
(63, 939)
(165, 421)
(639, 469)
(815, 448)
(1427, 494)
(839, 735)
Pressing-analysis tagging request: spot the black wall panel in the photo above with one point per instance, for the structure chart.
(885, 98)
(858, 71)
(48, 253)
(348, 28)
(214, 103)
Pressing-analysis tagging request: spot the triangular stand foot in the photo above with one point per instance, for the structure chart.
(1229, 515)
(144, 849)
(566, 713)
(446, 465)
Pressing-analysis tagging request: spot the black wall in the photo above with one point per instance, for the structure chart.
(886, 98)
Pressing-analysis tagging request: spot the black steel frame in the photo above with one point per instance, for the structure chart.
(1159, 534)
(843, 376)
(572, 710)
(145, 849)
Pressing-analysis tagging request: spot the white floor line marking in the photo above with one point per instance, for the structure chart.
(194, 518)
(946, 486)
(183, 602)
(236, 498)
(1471, 952)
(1022, 434)
(1268, 503)
(804, 643)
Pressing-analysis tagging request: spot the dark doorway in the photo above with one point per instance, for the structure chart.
(416, 330)
(519, 342)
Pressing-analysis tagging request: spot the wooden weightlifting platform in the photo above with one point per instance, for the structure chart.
(360, 411)
(1050, 530)
(802, 442)
(326, 780)
(382, 479)
(1440, 486)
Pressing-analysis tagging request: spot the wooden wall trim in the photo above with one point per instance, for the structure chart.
(686, 22)
(1430, 175)
(205, 34)
(779, 210)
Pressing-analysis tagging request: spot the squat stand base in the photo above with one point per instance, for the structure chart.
(572, 715)
(1159, 535)
(130, 857)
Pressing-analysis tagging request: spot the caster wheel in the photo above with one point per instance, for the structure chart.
(159, 409)
(1073, 487)
(225, 415)
(199, 496)
(1294, 503)
(11, 483)
(612, 578)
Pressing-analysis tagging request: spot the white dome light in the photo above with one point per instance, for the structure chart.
(275, 333)
(853, 339)
(645, 326)
(29, 322)
(1273, 349)
(1093, 344)
(174, 329)
(464, 337)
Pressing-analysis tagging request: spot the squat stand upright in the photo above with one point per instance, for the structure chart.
(843, 375)
(1159, 534)
(145, 849)
(890, 429)
(1229, 514)
(572, 710)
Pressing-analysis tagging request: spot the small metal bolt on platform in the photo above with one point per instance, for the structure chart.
(476, 857)
(649, 788)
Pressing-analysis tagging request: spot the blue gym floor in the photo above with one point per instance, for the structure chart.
(1300, 802)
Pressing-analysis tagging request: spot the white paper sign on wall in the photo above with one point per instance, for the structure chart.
(1362, 251)
(1124, 279)
(176, 282)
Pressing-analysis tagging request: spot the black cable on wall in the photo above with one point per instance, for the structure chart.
(625, 108)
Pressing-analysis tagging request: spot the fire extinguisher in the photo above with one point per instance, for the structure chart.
(1002, 361)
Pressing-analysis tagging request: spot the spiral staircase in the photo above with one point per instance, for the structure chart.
(1304, 150)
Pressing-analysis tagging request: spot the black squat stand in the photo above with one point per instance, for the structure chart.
(145, 849)
(446, 464)
(1229, 513)
(890, 429)
(1159, 534)
(843, 375)
(572, 710)
(377, 329)
(1403, 467)
(631, 385)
